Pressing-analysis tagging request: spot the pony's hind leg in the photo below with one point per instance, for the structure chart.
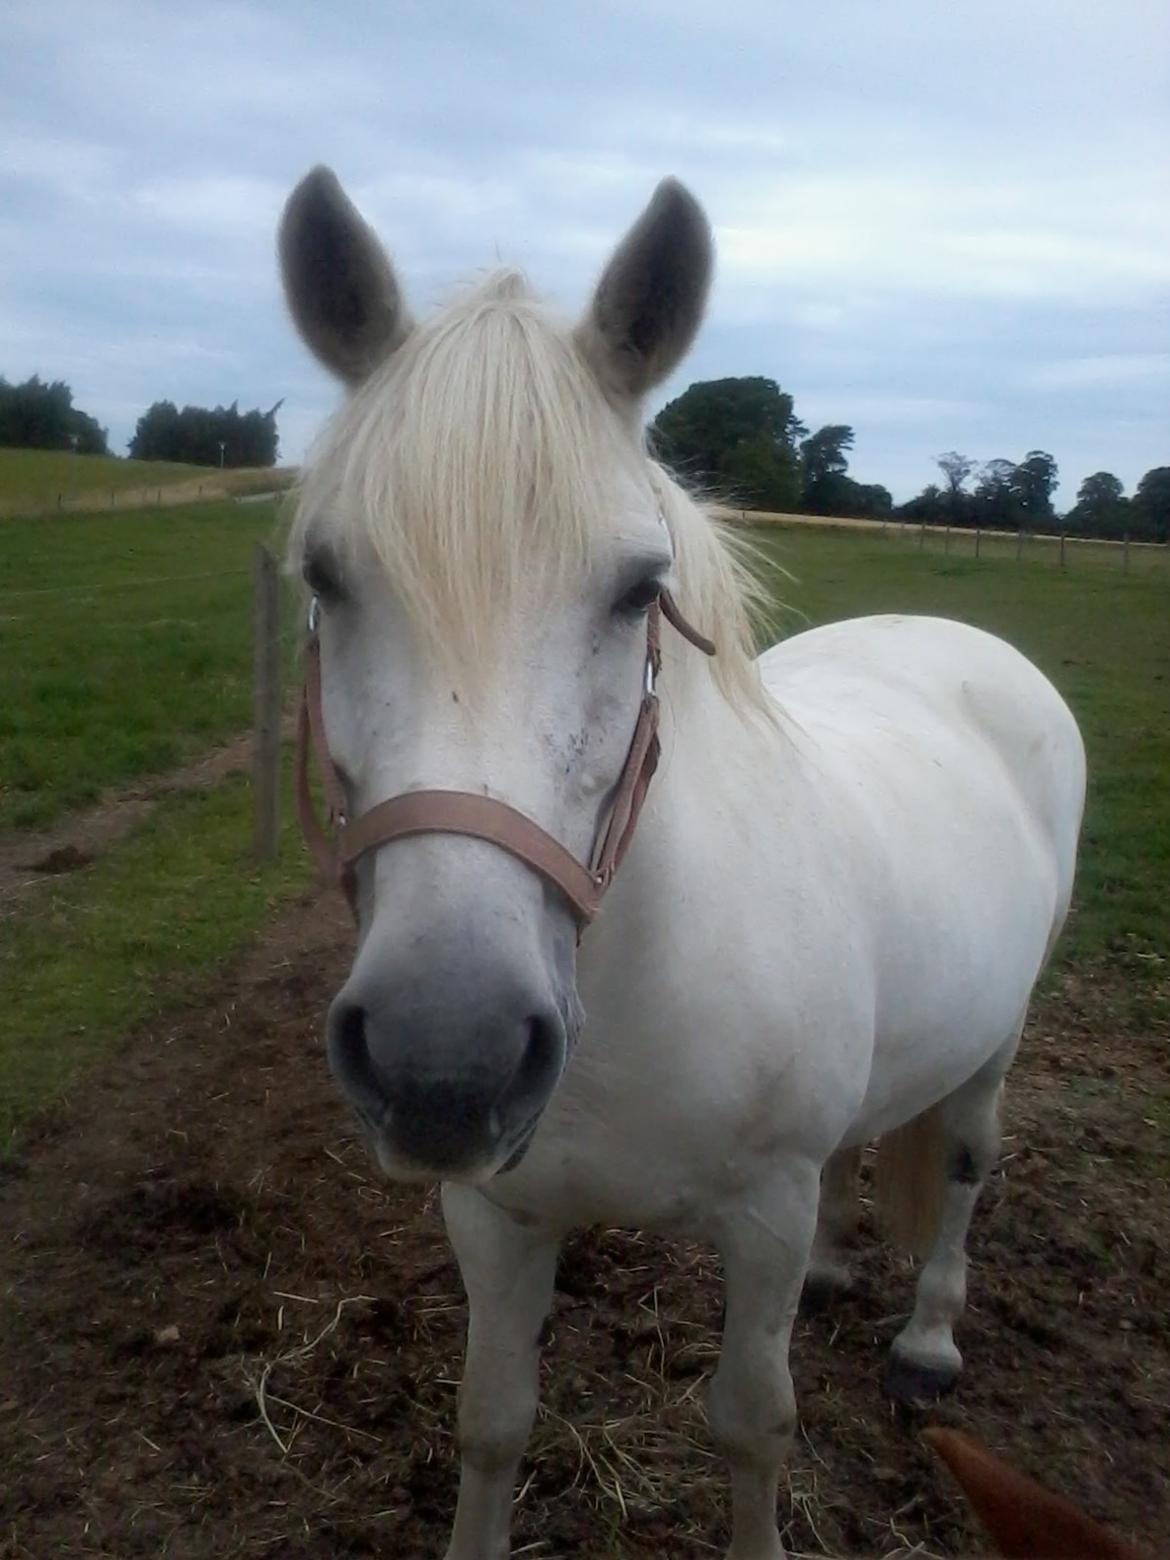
(959, 1142)
(508, 1270)
(837, 1219)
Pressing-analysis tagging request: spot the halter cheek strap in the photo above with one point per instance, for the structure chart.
(480, 817)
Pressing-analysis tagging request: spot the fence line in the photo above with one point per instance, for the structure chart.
(266, 639)
(245, 482)
(1068, 548)
(1123, 546)
(158, 579)
(1064, 550)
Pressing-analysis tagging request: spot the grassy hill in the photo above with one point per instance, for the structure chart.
(32, 481)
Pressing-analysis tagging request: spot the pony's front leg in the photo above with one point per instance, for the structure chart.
(764, 1242)
(508, 1270)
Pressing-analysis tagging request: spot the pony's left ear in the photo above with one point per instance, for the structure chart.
(338, 280)
(651, 296)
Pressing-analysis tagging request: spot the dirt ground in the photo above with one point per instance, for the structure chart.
(199, 1230)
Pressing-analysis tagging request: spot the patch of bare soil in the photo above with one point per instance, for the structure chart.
(27, 860)
(201, 1230)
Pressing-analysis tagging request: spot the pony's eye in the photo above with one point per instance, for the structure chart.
(641, 597)
(320, 575)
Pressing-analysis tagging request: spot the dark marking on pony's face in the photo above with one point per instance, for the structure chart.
(964, 1170)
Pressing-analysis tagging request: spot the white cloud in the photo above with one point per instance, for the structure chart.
(1092, 373)
(214, 204)
(880, 410)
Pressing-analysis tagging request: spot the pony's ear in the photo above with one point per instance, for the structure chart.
(651, 295)
(338, 280)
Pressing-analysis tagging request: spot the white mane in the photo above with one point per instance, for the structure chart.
(476, 460)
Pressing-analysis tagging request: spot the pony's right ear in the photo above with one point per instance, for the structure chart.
(338, 280)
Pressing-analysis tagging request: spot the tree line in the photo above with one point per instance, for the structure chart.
(40, 415)
(223, 437)
(1010, 496)
(742, 440)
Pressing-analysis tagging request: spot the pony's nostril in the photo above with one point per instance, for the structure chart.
(348, 1042)
(351, 1030)
(350, 1059)
(538, 1070)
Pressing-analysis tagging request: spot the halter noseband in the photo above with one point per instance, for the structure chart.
(480, 817)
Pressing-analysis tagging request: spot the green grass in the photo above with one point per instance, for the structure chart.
(1043, 550)
(125, 648)
(39, 475)
(137, 932)
(34, 482)
(1104, 640)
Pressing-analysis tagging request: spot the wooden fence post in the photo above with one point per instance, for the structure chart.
(1125, 553)
(1062, 549)
(978, 538)
(1019, 544)
(266, 695)
(922, 536)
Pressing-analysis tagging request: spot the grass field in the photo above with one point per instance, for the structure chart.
(959, 542)
(1104, 640)
(35, 481)
(42, 474)
(132, 935)
(125, 643)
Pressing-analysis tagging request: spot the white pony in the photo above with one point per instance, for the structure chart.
(852, 865)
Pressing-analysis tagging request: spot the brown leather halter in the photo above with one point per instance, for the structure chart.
(480, 817)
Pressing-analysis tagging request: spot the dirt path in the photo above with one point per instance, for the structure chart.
(29, 860)
(201, 1220)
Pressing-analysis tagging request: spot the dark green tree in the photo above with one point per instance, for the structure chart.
(1032, 483)
(1150, 506)
(735, 437)
(956, 469)
(824, 486)
(1101, 508)
(41, 416)
(202, 437)
(931, 506)
(996, 496)
(869, 500)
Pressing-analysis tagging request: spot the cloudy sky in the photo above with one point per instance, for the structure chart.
(946, 222)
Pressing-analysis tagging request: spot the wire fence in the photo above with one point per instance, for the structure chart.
(1061, 549)
(1057, 549)
(256, 483)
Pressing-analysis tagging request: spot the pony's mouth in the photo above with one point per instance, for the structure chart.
(399, 1167)
(523, 1145)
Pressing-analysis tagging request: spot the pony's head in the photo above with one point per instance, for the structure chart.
(484, 534)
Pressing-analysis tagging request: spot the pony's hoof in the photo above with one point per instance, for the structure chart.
(822, 1287)
(911, 1382)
